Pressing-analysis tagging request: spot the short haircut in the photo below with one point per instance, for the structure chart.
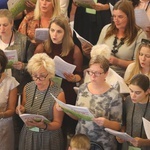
(41, 60)
(3, 61)
(6, 13)
(102, 61)
(141, 81)
(80, 141)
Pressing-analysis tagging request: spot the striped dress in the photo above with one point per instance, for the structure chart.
(42, 140)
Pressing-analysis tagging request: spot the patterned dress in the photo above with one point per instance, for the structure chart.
(108, 105)
(42, 140)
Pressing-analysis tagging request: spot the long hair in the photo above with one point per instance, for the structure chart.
(137, 68)
(56, 9)
(132, 29)
(67, 42)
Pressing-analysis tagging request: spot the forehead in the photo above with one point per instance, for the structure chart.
(118, 12)
(96, 66)
(145, 50)
(135, 87)
(56, 26)
(40, 70)
(4, 20)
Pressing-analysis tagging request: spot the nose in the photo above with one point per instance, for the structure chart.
(133, 95)
(143, 57)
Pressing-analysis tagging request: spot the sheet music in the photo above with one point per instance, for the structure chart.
(141, 18)
(62, 67)
(146, 124)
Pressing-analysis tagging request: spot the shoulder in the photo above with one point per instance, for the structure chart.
(11, 82)
(20, 35)
(141, 34)
(106, 27)
(29, 16)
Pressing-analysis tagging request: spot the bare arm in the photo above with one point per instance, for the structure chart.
(12, 99)
(119, 62)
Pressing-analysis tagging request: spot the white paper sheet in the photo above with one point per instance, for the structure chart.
(62, 67)
(146, 124)
(141, 18)
(121, 135)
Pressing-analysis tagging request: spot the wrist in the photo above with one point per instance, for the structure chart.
(45, 126)
(2, 115)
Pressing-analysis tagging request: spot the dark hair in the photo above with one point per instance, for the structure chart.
(141, 80)
(3, 61)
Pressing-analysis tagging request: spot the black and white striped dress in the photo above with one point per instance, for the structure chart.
(47, 140)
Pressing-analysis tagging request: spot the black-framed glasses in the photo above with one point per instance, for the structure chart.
(145, 41)
(41, 78)
(95, 73)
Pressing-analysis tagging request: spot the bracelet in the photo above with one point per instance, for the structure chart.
(45, 126)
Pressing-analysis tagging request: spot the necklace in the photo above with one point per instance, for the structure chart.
(115, 46)
(43, 97)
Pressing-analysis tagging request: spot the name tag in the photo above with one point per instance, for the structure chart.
(35, 129)
(134, 148)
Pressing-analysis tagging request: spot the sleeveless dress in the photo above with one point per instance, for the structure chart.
(6, 124)
(42, 140)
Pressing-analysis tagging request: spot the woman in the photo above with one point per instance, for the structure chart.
(37, 99)
(13, 40)
(8, 94)
(112, 77)
(137, 106)
(103, 101)
(142, 62)
(40, 18)
(123, 36)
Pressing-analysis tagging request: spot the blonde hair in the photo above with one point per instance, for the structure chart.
(56, 9)
(6, 13)
(80, 142)
(67, 42)
(41, 60)
(137, 68)
(102, 50)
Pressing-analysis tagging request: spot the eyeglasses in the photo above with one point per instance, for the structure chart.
(41, 78)
(145, 41)
(97, 74)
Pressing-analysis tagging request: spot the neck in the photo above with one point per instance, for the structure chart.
(98, 88)
(7, 39)
(144, 100)
(120, 33)
(145, 70)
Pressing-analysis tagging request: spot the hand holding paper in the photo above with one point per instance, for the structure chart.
(62, 67)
